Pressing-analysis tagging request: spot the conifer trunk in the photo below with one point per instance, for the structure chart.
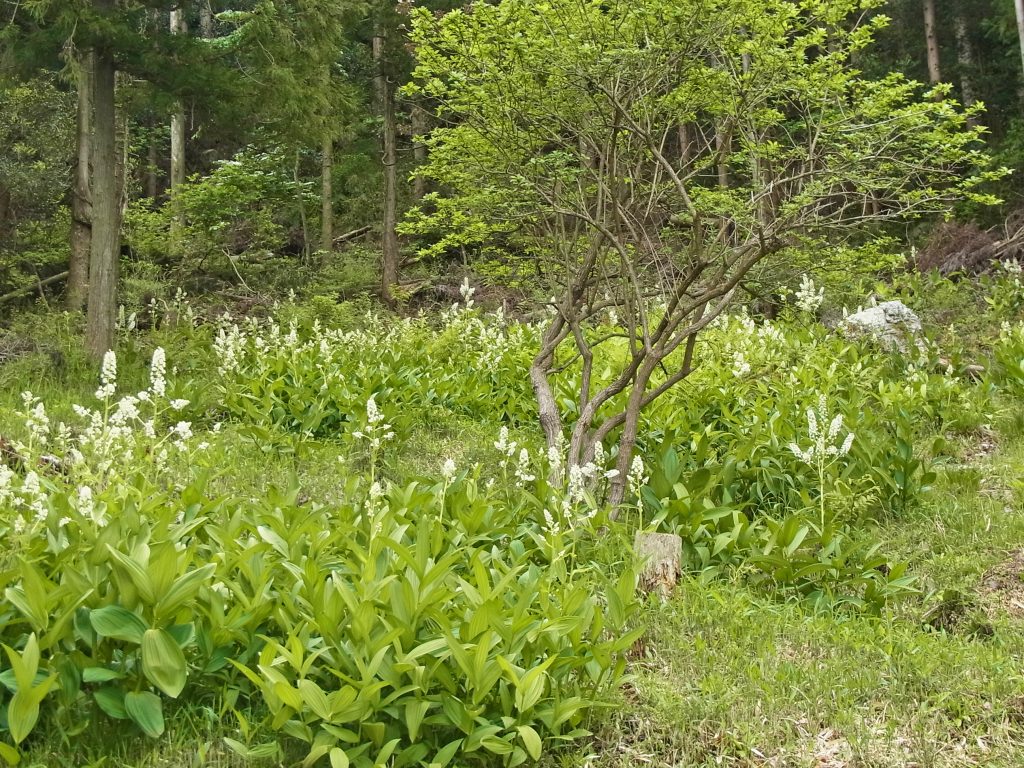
(326, 194)
(81, 229)
(106, 224)
(389, 236)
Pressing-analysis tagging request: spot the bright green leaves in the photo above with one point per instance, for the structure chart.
(146, 711)
(23, 708)
(163, 662)
(118, 623)
(427, 630)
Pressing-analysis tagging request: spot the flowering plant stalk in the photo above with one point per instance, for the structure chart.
(824, 451)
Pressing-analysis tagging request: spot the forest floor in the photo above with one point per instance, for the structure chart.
(726, 676)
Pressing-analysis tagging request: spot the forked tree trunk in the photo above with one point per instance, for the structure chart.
(81, 229)
(931, 37)
(389, 236)
(326, 194)
(106, 224)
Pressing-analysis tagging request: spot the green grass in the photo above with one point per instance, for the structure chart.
(729, 677)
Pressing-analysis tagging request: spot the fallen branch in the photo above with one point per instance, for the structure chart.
(350, 235)
(29, 288)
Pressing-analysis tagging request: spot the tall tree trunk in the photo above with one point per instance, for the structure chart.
(386, 103)
(965, 58)
(5, 207)
(206, 20)
(178, 27)
(152, 166)
(931, 37)
(1018, 6)
(419, 148)
(106, 223)
(326, 194)
(81, 229)
(301, 200)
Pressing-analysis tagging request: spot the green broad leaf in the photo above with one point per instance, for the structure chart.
(184, 589)
(496, 745)
(10, 682)
(25, 664)
(338, 758)
(258, 752)
(445, 754)
(146, 711)
(415, 711)
(9, 754)
(163, 662)
(531, 686)
(118, 623)
(315, 699)
(183, 634)
(140, 578)
(111, 700)
(22, 713)
(99, 675)
(531, 740)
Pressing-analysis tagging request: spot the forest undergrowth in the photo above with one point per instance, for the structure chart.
(328, 537)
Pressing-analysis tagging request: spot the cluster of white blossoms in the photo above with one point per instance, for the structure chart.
(740, 366)
(519, 463)
(120, 432)
(229, 347)
(448, 470)
(26, 496)
(809, 298)
(377, 431)
(637, 477)
(746, 344)
(824, 443)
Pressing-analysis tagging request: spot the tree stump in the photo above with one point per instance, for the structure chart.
(661, 554)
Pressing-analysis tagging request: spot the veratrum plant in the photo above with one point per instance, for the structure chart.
(429, 641)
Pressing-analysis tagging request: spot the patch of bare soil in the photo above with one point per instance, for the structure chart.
(1003, 585)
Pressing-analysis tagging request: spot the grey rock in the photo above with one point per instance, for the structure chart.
(892, 323)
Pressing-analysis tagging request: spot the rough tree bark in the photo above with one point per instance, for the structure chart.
(931, 37)
(386, 103)
(206, 20)
(965, 57)
(326, 193)
(81, 228)
(106, 219)
(178, 27)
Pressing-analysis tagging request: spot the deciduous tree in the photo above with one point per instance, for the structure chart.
(559, 122)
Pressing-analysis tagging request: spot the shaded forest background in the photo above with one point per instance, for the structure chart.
(260, 145)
